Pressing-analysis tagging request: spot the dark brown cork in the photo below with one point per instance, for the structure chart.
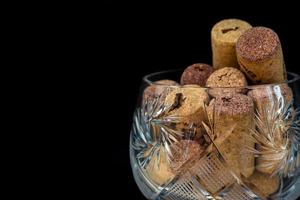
(196, 74)
(257, 44)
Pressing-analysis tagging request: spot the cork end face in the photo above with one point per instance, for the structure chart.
(257, 44)
(196, 74)
(227, 77)
(229, 30)
(158, 88)
(186, 101)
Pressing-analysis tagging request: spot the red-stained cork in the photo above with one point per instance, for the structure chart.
(257, 44)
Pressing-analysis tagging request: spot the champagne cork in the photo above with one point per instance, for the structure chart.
(232, 117)
(260, 56)
(267, 100)
(224, 36)
(226, 80)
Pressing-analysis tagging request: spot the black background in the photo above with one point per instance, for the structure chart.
(138, 41)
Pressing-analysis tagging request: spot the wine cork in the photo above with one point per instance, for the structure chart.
(232, 117)
(163, 168)
(267, 100)
(263, 184)
(260, 56)
(224, 36)
(158, 169)
(226, 80)
(264, 96)
(157, 89)
(196, 74)
(187, 106)
(182, 152)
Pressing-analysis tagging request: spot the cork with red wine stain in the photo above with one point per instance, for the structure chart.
(260, 56)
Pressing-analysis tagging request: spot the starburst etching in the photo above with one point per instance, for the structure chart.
(277, 137)
(154, 132)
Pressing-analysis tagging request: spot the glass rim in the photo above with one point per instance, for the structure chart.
(146, 78)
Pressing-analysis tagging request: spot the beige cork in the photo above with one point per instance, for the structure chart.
(157, 89)
(260, 56)
(182, 153)
(187, 105)
(158, 169)
(268, 98)
(226, 80)
(163, 168)
(232, 117)
(263, 184)
(224, 36)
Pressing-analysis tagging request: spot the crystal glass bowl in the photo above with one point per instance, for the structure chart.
(190, 142)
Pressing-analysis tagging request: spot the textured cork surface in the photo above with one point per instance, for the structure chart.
(192, 99)
(196, 74)
(183, 151)
(263, 184)
(158, 168)
(264, 93)
(158, 87)
(257, 44)
(229, 30)
(233, 104)
(267, 99)
(226, 77)
(187, 105)
(233, 118)
(224, 36)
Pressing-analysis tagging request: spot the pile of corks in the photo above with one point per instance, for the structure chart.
(242, 56)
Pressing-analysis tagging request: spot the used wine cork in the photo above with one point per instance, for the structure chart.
(196, 74)
(264, 96)
(267, 100)
(220, 81)
(260, 56)
(224, 36)
(158, 88)
(263, 184)
(182, 152)
(158, 168)
(163, 168)
(187, 107)
(233, 117)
